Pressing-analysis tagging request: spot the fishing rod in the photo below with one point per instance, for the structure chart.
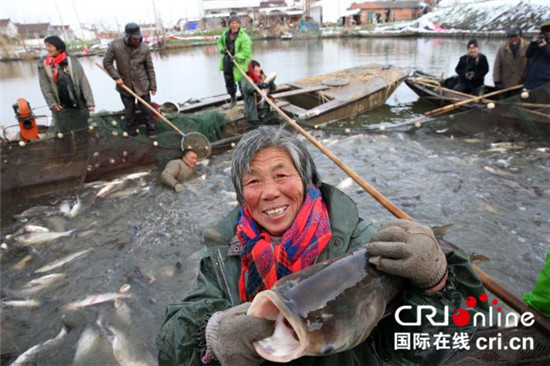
(488, 282)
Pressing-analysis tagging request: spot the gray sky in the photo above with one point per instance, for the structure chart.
(106, 12)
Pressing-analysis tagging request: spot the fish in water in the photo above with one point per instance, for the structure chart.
(31, 212)
(88, 340)
(38, 284)
(496, 171)
(37, 238)
(265, 92)
(61, 262)
(326, 308)
(36, 229)
(22, 303)
(126, 353)
(346, 183)
(71, 211)
(94, 299)
(29, 356)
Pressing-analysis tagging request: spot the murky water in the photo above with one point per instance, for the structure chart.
(148, 237)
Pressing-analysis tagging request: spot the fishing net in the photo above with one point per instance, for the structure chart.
(98, 148)
(508, 116)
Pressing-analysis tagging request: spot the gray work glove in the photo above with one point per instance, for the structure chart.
(230, 333)
(408, 249)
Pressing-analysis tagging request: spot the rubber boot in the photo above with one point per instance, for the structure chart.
(233, 101)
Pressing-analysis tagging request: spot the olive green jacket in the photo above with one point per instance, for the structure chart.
(243, 52)
(80, 81)
(252, 110)
(181, 339)
(509, 69)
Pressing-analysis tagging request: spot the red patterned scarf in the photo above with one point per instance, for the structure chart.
(55, 61)
(255, 77)
(264, 263)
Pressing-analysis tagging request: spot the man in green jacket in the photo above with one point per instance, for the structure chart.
(211, 323)
(238, 43)
(134, 68)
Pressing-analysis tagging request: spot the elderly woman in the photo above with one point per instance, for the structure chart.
(65, 87)
(288, 220)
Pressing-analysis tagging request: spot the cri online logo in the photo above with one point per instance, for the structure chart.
(462, 317)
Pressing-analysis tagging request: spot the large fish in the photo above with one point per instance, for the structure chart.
(326, 308)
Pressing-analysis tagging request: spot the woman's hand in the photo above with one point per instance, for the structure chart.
(230, 333)
(56, 108)
(409, 249)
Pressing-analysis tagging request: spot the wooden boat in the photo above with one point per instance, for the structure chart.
(530, 115)
(317, 100)
(61, 164)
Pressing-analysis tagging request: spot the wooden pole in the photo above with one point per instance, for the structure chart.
(447, 108)
(492, 285)
(145, 103)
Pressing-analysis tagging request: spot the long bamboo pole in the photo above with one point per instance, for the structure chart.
(491, 284)
(448, 108)
(142, 101)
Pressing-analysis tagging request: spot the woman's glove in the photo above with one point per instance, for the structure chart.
(408, 249)
(230, 333)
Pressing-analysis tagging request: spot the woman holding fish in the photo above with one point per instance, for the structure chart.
(288, 224)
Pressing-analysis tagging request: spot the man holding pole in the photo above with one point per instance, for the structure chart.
(134, 69)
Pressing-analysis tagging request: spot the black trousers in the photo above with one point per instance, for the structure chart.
(466, 87)
(230, 85)
(130, 115)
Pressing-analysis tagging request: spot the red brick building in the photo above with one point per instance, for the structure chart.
(384, 11)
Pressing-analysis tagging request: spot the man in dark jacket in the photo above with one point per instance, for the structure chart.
(538, 73)
(134, 68)
(471, 70)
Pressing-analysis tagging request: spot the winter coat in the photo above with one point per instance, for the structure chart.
(538, 72)
(252, 110)
(243, 51)
(133, 64)
(81, 85)
(509, 69)
(181, 339)
(477, 65)
(176, 171)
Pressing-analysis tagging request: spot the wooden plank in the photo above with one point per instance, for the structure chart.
(300, 91)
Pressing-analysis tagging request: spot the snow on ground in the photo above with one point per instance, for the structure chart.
(475, 15)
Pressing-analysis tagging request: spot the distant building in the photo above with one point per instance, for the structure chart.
(383, 11)
(62, 31)
(8, 29)
(34, 30)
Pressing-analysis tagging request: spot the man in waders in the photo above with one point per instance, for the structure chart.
(239, 45)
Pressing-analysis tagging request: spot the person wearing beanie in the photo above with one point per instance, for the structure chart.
(65, 87)
(538, 73)
(510, 63)
(471, 70)
(238, 43)
(134, 68)
(257, 111)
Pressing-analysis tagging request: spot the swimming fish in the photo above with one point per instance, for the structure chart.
(37, 238)
(61, 262)
(36, 285)
(94, 299)
(326, 308)
(29, 356)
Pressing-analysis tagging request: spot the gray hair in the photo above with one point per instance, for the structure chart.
(268, 136)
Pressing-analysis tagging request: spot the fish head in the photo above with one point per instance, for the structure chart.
(326, 308)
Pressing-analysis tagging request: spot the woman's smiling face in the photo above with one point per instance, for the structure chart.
(273, 190)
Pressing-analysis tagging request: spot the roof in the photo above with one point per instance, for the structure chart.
(33, 28)
(387, 5)
(61, 27)
(4, 22)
